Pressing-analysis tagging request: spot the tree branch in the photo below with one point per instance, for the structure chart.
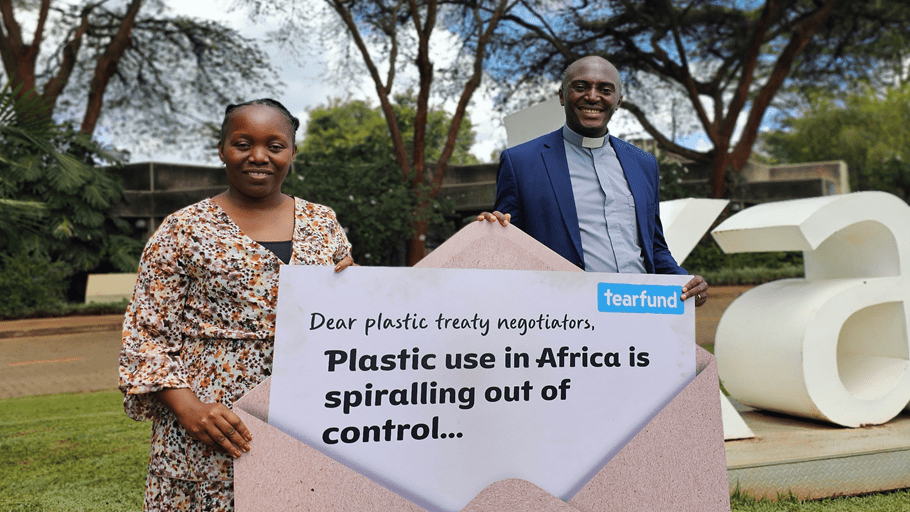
(18, 57)
(39, 27)
(54, 87)
(425, 73)
(749, 63)
(483, 39)
(106, 67)
(401, 156)
(686, 77)
(661, 139)
(782, 67)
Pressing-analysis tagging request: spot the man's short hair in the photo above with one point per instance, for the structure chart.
(565, 74)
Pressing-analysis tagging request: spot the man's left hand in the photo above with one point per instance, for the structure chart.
(697, 287)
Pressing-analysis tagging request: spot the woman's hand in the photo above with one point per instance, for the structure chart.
(345, 263)
(211, 424)
(503, 218)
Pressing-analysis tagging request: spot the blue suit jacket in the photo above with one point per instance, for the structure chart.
(533, 185)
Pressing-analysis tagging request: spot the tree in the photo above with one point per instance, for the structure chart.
(130, 62)
(347, 162)
(392, 34)
(728, 58)
(355, 132)
(54, 208)
(869, 130)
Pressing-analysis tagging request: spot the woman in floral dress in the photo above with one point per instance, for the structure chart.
(199, 331)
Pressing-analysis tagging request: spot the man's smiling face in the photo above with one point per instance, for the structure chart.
(591, 93)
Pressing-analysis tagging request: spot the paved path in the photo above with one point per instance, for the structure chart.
(707, 316)
(59, 355)
(77, 354)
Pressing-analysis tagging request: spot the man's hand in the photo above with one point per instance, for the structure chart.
(503, 218)
(696, 287)
(211, 424)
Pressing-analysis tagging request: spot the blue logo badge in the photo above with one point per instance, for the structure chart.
(639, 298)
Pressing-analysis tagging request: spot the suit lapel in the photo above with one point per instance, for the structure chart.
(554, 158)
(638, 184)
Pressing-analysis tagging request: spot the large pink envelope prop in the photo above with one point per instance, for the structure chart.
(676, 462)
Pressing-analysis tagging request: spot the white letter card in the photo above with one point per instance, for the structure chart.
(437, 383)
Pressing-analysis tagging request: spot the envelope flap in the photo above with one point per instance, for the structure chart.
(282, 473)
(516, 495)
(256, 401)
(486, 245)
(676, 462)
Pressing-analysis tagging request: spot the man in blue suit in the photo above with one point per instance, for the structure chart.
(585, 194)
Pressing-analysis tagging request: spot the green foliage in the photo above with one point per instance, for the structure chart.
(749, 275)
(869, 130)
(674, 176)
(61, 308)
(54, 204)
(438, 122)
(353, 131)
(717, 267)
(76, 196)
(29, 281)
(71, 452)
(347, 162)
(371, 200)
(707, 259)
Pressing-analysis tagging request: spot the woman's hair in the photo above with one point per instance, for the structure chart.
(269, 102)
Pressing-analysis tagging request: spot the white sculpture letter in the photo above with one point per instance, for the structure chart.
(832, 346)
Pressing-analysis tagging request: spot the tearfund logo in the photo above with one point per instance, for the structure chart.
(639, 298)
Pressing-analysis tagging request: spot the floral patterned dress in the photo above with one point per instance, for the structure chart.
(202, 316)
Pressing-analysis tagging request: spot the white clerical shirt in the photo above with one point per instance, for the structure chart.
(605, 206)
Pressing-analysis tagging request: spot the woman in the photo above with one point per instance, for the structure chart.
(199, 331)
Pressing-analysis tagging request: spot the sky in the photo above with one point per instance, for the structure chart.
(308, 85)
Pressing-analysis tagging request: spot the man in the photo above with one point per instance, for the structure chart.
(588, 196)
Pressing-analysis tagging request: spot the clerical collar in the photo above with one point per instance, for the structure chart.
(582, 141)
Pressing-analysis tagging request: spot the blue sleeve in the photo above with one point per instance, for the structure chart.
(664, 263)
(508, 199)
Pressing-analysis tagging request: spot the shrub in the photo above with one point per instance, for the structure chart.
(30, 281)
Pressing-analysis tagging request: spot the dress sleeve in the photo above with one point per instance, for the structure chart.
(153, 326)
(341, 240)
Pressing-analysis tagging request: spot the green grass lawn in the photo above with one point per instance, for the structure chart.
(79, 452)
(71, 452)
(895, 501)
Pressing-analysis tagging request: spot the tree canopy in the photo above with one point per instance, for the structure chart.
(728, 59)
(131, 64)
(354, 131)
(55, 216)
(868, 129)
(347, 162)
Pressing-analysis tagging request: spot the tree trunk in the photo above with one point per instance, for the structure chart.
(19, 58)
(417, 247)
(107, 65)
(719, 173)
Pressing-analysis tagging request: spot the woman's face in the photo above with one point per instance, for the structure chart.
(257, 151)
